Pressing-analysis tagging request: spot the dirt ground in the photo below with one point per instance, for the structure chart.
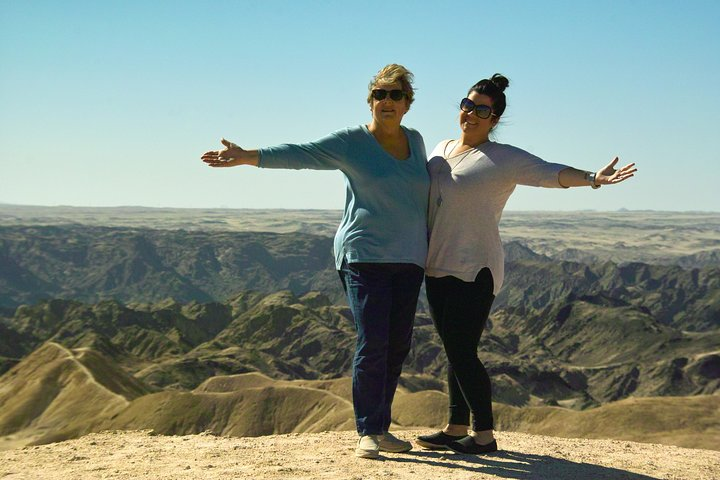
(330, 455)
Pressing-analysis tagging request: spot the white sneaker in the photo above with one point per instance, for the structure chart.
(368, 447)
(390, 443)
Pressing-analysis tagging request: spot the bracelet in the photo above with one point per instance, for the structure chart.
(590, 177)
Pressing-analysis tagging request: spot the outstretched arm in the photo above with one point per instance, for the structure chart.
(230, 156)
(327, 153)
(572, 177)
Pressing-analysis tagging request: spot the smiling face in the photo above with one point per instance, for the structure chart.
(474, 126)
(388, 110)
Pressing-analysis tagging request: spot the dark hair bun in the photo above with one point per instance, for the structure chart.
(500, 81)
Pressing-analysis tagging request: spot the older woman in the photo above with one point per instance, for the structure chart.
(381, 244)
(471, 180)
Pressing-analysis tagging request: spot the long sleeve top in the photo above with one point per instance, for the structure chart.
(467, 195)
(386, 199)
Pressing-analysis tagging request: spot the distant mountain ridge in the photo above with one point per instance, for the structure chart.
(92, 263)
(142, 265)
(687, 239)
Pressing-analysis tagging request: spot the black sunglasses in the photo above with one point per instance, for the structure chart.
(481, 111)
(380, 94)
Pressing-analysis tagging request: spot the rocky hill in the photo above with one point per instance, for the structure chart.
(579, 353)
(142, 265)
(57, 394)
(93, 263)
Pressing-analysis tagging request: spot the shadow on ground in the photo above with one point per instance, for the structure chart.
(507, 464)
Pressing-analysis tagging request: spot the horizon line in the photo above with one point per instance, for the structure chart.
(3, 204)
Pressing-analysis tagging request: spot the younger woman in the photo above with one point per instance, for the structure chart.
(471, 179)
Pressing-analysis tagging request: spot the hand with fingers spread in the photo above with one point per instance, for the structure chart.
(231, 156)
(608, 175)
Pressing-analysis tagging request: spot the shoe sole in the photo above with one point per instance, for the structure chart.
(431, 446)
(367, 453)
(396, 450)
(485, 452)
(458, 452)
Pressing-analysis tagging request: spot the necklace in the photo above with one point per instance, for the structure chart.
(439, 200)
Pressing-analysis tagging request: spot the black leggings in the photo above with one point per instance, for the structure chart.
(460, 311)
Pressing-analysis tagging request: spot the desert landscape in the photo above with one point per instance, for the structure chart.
(170, 311)
(685, 238)
(168, 343)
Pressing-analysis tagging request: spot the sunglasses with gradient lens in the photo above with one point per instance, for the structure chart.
(380, 94)
(482, 111)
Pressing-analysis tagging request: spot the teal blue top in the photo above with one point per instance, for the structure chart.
(385, 218)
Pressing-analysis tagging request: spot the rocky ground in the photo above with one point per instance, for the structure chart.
(330, 455)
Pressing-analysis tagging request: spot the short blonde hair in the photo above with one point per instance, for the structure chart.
(393, 73)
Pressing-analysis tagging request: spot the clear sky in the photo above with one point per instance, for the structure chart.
(107, 103)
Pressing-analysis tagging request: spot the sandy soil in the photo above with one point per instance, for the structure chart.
(330, 455)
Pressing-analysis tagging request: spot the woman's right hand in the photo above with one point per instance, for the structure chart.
(230, 156)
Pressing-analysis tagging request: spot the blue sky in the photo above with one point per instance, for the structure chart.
(111, 103)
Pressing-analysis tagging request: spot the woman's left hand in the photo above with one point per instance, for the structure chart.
(609, 176)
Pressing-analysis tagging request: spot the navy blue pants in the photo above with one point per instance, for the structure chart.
(383, 298)
(460, 311)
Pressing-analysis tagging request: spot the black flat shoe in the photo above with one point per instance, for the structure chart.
(437, 441)
(467, 445)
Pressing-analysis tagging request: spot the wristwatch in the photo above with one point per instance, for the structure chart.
(590, 176)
